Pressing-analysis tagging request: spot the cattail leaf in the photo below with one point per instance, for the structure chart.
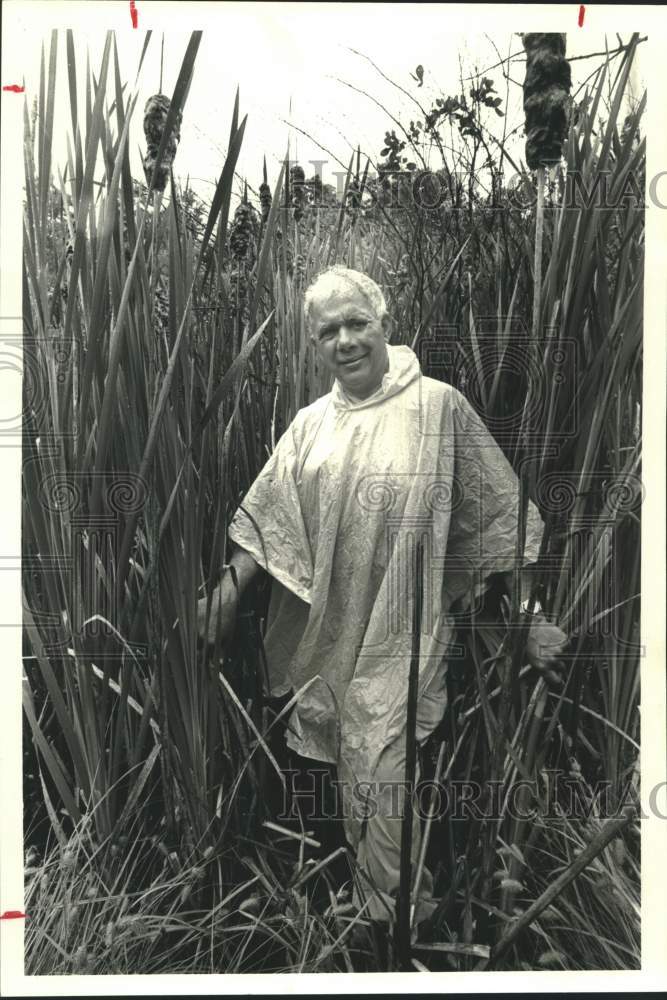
(144, 48)
(265, 253)
(61, 709)
(98, 304)
(50, 759)
(108, 403)
(71, 75)
(86, 193)
(222, 196)
(234, 372)
(138, 787)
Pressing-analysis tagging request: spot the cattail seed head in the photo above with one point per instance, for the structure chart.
(315, 184)
(298, 190)
(297, 175)
(161, 311)
(545, 97)
(265, 200)
(242, 231)
(155, 121)
(265, 194)
(353, 197)
(155, 118)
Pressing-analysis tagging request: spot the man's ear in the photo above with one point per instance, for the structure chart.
(386, 325)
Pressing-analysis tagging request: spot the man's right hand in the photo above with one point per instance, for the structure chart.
(224, 605)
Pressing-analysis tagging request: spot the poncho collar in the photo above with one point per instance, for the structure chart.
(404, 368)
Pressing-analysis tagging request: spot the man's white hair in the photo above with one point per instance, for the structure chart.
(334, 279)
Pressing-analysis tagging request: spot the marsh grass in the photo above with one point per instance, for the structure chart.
(160, 370)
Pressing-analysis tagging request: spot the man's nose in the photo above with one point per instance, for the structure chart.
(344, 336)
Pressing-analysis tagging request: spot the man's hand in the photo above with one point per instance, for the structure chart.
(544, 647)
(225, 599)
(224, 604)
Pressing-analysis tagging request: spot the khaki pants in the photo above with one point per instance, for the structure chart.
(379, 848)
(377, 838)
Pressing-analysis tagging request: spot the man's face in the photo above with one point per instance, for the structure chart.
(351, 340)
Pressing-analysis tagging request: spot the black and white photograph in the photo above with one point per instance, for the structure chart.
(334, 590)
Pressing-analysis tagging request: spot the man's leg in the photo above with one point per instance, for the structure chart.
(377, 841)
(310, 795)
(379, 846)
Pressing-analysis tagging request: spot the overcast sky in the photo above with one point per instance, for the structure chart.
(293, 63)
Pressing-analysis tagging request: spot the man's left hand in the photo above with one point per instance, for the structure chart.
(544, 648)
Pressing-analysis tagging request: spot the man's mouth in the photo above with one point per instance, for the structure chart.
(352, 361)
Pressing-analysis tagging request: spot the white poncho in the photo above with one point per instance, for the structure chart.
(339, 505)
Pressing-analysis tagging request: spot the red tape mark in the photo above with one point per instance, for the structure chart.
(582, 11)
(12, 915)
(133, 14)
(14, 88)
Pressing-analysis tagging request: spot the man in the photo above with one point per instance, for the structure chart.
(387, 457)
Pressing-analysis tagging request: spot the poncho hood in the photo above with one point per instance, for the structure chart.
(404, 368)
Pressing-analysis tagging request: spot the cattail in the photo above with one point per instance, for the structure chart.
(64, 288)
(265, 201)
(161, 311)
(155, 121)
(298, 185)
(242, 231)
(353, 197)
(284, 249)
(265, 196)
(315, 184)
(545, 97)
